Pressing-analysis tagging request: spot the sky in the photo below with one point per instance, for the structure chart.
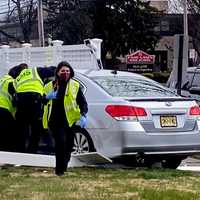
(3, 8)
(175, 6)
(3, 5)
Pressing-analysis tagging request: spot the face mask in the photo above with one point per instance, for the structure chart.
(63, 76)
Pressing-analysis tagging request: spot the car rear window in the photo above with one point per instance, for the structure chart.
(129, 87)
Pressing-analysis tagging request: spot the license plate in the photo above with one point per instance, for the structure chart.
(168, 121)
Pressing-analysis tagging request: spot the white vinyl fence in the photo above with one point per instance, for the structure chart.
(79, 56)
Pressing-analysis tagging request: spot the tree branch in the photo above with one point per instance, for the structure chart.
(11, 36)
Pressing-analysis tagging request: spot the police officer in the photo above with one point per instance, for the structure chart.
(7, 111)
(29, 88)
(67, 105)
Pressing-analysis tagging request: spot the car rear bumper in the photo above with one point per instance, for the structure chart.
(181, 150)
(166, 143)
(131, 140)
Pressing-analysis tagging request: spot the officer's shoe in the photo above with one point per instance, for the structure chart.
(60, 173)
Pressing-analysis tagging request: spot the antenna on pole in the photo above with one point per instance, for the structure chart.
(40, 24)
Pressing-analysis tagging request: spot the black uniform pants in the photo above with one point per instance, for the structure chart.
(64, 142)
(7, 131)
(29, 121)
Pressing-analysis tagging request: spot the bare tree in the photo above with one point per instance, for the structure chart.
(68, 21)
(10, 36)
(24, 13)
(175, 6)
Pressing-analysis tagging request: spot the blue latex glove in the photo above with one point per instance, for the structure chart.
(52, 95)
(83, 121)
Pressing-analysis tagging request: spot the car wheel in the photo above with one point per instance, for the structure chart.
(172, 163)
(82, 141)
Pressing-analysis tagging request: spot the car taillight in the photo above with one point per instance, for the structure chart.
(123, 112)
(195, 110)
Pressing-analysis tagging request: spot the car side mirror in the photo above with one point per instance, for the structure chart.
(194, 90)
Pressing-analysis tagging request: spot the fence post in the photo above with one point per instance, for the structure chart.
(5, 55)
(26, 50)
(57, 52)
(97, 43)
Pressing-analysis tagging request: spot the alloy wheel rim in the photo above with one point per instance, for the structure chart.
(81, 144)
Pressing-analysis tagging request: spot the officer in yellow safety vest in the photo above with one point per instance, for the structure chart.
(29, 88)
(66, 106)
(7, 111)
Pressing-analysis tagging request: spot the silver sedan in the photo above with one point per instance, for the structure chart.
(131, 116)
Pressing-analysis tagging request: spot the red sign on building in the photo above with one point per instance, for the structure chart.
(140, 57)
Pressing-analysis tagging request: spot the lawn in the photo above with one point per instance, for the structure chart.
(24, 183)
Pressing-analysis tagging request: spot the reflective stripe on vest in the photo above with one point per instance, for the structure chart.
(29, 81)
(5, 97)
(72, 110)
(47, 108)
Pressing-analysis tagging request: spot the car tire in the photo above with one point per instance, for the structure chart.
(172, 163)
(82, 141)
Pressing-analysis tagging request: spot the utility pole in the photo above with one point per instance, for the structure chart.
(183, 52)
(185, 20)
(185, 43)
(40, 23)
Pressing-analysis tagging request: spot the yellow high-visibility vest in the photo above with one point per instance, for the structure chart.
(29, 81)
(5, 97)
(71, 107)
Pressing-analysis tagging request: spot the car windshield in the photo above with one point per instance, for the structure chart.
(129, 87)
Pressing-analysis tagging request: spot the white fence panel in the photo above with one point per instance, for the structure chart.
(85, 59)
(79, 56)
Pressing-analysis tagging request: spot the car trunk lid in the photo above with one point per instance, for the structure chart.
(164, 115)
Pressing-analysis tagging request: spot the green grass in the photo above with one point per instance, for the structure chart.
(24, 183)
